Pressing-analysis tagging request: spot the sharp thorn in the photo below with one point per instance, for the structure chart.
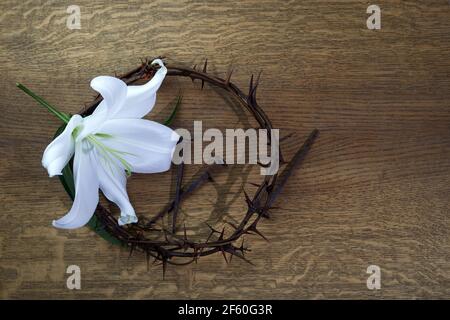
(209, 236)
(248, 200)
(228, 77)
(250, 86)
(232, 225)
(204, 71)
(257, 78)
(212, 229)
(223, 253)
(255, 230)
(232, 252)
(222, 233)
(131, 250)
(255, 184)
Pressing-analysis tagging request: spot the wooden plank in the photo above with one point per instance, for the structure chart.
(373, 190)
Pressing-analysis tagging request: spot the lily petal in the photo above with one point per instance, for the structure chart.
(113, 182)
(114, 93)
(141, 99)
(122, 101)
(86, 186)
(60, 150)
(147, 146)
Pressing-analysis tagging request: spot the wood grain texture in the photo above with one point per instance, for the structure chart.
(373, 190)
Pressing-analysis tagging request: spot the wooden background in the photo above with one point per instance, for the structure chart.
(373, 190)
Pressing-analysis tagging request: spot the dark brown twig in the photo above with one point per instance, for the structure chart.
(176, 206)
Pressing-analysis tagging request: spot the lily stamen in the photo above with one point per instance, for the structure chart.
(107, 152)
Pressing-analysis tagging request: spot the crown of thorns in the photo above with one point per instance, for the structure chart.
(171, 244)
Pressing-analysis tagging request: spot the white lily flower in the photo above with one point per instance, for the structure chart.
(108, 145)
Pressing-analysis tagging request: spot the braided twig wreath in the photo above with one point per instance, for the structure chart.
(166, 245)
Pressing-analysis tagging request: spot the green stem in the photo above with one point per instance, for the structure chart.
(62, 116)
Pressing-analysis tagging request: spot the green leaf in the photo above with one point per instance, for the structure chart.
(67, 177)
(67, 181)
(98, 228)
(61, 115)
(176, 102)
